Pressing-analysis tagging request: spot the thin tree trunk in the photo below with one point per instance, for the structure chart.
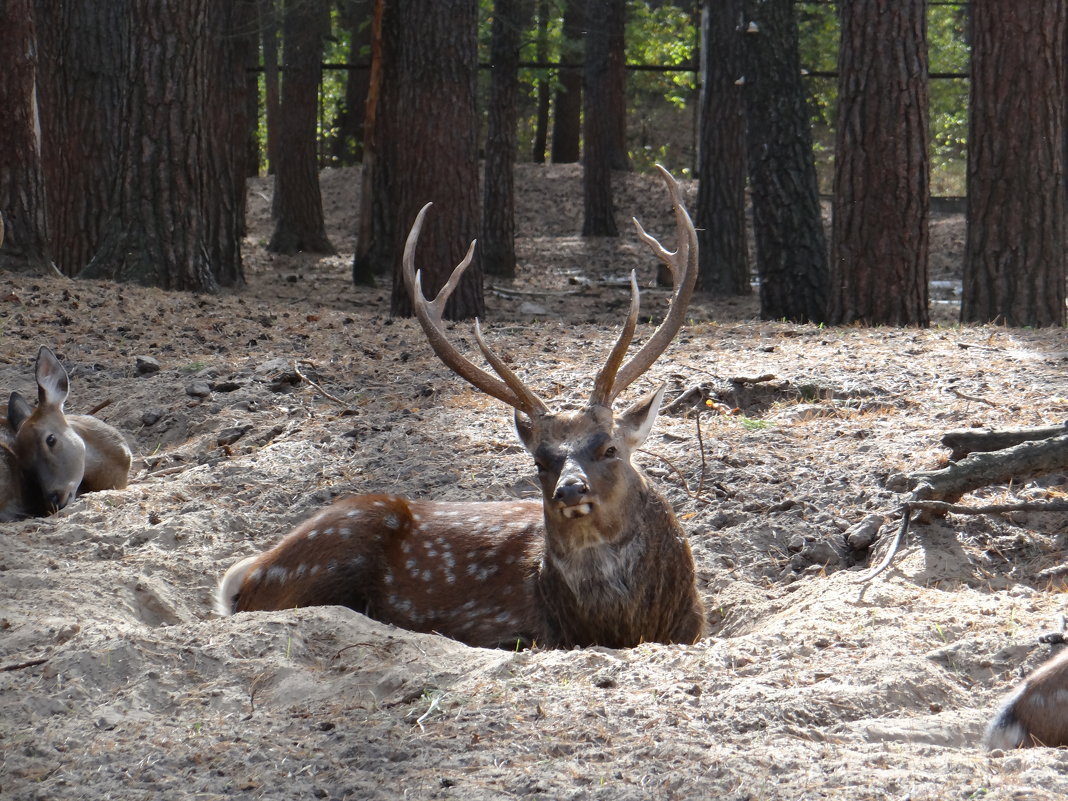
(297, 206)
(510, 20)
(567, 117)
(791, 248)
(721, 162)
(597, 131)
(541, 123)
(22, 207)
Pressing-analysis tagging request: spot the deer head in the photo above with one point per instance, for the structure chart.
(49, 451)
(583, 458)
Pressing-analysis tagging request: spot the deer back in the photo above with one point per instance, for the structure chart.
(466, 570)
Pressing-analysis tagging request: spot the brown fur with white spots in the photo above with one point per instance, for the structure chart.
(600, 561)
(1036, 713)
(48, 457)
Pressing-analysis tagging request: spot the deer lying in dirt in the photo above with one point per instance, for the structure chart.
(48, 457)
(601, 560)
(1035, 713)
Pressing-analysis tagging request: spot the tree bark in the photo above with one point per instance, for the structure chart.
(791, 247)
(567, 117)
(1014, 263)
(374, 235)
(297, 205)
(158, 232)
(22, 199)
(541, 120)
(721, 163)
(599, 219)
(80, 84)
(347, 144)
(510, 20)
(272, 100)
(616, 76)
(429, 146)
(881, 189)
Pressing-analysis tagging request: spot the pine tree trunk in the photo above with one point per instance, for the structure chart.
(25, 244)
(791, 248)
(297, 207)
(429, 143)
(1014, 268)
(721, 224)
(881, 190)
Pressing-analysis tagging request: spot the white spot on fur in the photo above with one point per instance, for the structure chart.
(300, 570)
(311, 535)
(392, 522)
(345, 532)
(329, 531)
(378, 504)
(277, 573)
(351, 513)
(255, 575)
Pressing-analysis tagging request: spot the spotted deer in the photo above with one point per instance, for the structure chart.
(600, 560)
(47, 457)
(1035, 713)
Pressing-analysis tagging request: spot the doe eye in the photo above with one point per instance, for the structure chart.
(50, 440)
(541, 468)
(609, 452)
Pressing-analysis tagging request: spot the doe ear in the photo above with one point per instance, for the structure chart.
(18, 410)
(637, 421)
(52, 382)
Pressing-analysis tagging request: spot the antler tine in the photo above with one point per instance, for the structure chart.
(602, 385)
(429, 315)
(682, 264)
(531, 403)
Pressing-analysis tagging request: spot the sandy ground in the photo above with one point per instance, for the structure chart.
(117, 681)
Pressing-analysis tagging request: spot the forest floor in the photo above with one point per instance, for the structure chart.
(118, 681)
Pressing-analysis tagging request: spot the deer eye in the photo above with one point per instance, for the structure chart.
(541, 466)
(609, 452)
(50, 440)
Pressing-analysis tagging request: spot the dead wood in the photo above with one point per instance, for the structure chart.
(1028, 453)
(967, 441)
(1020, 462)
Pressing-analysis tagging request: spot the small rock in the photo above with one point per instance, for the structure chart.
(534, 309)
(146, 365)
(198, 389)
(863, 534)
(228, 436)
(151, 417)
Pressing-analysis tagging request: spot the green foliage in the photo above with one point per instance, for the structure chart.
(662, 35)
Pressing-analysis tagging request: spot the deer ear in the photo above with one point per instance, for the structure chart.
(52, 382)
(637, 421)
(524, 429)
(18, 409)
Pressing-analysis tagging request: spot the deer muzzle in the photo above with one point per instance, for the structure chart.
(572, 494)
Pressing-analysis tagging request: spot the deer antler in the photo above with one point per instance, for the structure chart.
(682, 264)
(511, 391)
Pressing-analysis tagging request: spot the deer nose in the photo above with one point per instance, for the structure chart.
(571, 490)
(58, 499)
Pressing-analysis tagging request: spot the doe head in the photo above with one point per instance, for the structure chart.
(49, 452)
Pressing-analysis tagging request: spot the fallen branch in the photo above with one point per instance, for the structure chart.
(1030, 453)
(972, 440)
(322, 391)
(1018, 463)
